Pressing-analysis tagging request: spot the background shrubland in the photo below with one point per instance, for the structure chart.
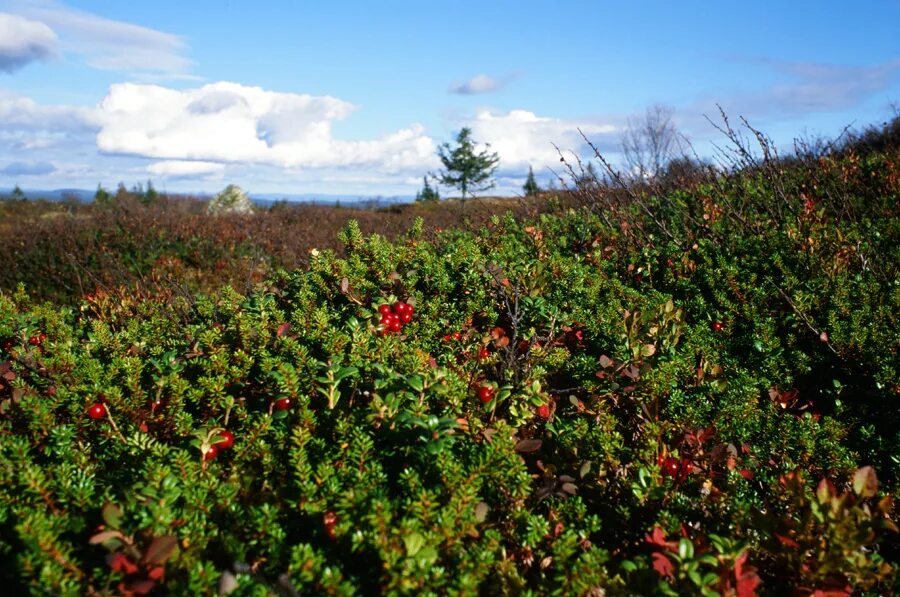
(677, 384)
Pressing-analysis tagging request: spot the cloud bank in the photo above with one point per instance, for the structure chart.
(23, 41)
(108, 44)
(231, 123)
(523, 138)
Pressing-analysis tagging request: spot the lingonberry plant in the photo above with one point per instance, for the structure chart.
(507, 411)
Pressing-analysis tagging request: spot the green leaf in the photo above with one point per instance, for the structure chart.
(416, 383)
(112, 515)
(413, 542)
(685, 549)
(865, 483)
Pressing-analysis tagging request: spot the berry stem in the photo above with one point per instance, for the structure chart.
(114, 426)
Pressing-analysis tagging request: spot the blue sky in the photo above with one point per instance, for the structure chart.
(354, 97)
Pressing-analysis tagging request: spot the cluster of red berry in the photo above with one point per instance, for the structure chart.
(37, 339)
(226, 440)
(393, 318)
(677, 469)
(454, 336)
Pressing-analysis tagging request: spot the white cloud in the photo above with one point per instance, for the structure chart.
(477, 84)
(229, 122)
(112, 45)
(185, 169)
(523, 138)
(20, 113)
(22, 41)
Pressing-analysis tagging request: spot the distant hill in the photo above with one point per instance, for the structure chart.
(261, 199)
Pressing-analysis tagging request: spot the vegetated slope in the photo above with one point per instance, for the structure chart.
(676, 394)
(64, 251)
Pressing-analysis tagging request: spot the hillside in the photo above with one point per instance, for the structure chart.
(690, 389)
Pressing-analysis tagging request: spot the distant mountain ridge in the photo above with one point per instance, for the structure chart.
(261, 199)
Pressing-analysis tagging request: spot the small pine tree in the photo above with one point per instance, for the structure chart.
(102, 196)
(531, 187)
(149, 195)
(464, 169)
(17, 194)
(428, 193)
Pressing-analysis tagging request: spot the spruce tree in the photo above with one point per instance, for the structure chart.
(465, 169)
(428, 193)
(531, 187)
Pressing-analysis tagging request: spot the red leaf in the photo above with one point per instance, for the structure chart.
(663, 565)
(658, 538)
(156, 573)
(121, 563)
(528, 445)
(787, 541)
(282, 330)
(160, 549)
(747, 579)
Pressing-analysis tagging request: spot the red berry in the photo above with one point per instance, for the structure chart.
(406, 317)
(717, 326)
(34, 340)
(670, 467)
(457, 335)
(446, 338)
(395, 326)
(227, 440)
(686, 467)
(485, 394)
(283, 404)
(97, 411)
(399, 307)
(211, 452)
(384, 309)
(484, 353)
(329, 521)
(543, 411)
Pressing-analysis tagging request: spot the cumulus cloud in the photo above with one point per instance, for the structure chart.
(476, 85)
(23, 40)
(523, 138)
(186, 169)
(21, 113)
(112, 45)
(28, 169)
(228, 122)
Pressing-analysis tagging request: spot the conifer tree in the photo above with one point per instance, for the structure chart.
(531, 187)
(428, 193)
(465, 169)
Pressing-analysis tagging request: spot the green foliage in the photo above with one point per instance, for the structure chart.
(466, 169)
(704, 417)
